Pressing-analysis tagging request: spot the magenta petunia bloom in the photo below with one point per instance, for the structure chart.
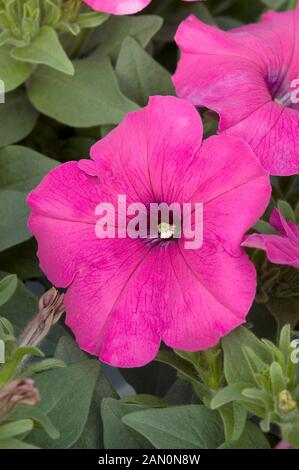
(250, 77)
(121, 7)
(282, 248)
(126, 295)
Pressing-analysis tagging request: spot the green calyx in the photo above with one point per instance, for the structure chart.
(20, 21)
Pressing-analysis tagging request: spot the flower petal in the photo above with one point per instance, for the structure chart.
(118, 7)
(214, 71)
(201, 309)
(279, 249)
(112, 308)
(273, 133)
(151, 149)
(242, 74)
(234, 189)
(63, 221)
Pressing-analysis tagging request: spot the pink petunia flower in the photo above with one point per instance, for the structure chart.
(282, 248)
(249, 76)
(122, 7)
(126, 295)
(283, 445)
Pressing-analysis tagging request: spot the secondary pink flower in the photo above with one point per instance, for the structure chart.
(125, 295)
(282, 248)
(121, 7)
(246, 75)
(283, 445)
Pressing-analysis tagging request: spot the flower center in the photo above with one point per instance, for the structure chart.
(281, 90)
(285, 100)
(166, 231)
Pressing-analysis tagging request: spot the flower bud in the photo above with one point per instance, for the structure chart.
(19, 391)
(286, 402)
(50, 310)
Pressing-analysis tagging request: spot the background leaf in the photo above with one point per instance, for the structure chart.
(8, 286)
(13, 72)
(21, 168)
(236, 367)
(90, 98)
(125, 437)
(182, 427)
(92, 434)
(13, 219)
(252, 438)
(139, 75)
(45, 49)
(111, 35)
(17, 116)
(65, 397)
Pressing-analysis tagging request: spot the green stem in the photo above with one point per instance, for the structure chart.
(80, 43)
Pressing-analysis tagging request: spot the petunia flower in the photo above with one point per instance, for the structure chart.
(122, 7)
(125, 295)
(249, 76)
(282, 248)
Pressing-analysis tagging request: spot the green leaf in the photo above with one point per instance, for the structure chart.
(278, 380)
(183, 367)
(180, 393)
(40, 419)
(8, 286)
(15, 428)
(125, 438)
(139, 75)
(291, 434)
(12, 72)
(264, 227)
(257, 365)
(92, 19)
(252, 438)
(14, 213)
(286, 210)
(10, 367)
(65, 397)
(40, 366)
(236, 367)
(18, 118)
(92, 434)
(182, 427)
(260, 397)
(68, 352)
(284, 342)
(21, 168)
(234, 419)
(15, 444)
(274, 4)
(22, 301)
(90, 98)
(111, 35)
(229, 394)
(150, 401)
(45, 49)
